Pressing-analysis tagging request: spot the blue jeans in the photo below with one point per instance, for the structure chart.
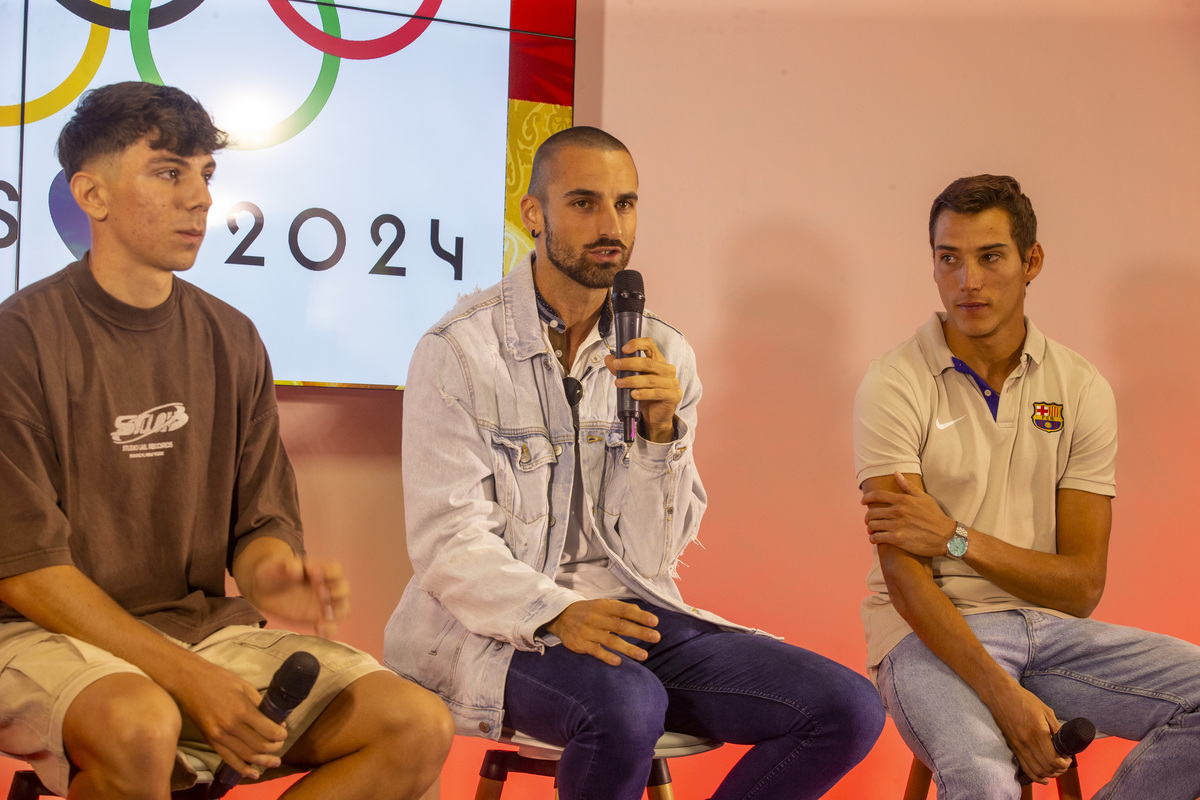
(810, 719)
(1132, 684)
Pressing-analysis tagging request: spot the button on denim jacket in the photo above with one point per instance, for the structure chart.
(489, 454)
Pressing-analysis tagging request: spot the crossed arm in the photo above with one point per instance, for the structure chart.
(909, 528)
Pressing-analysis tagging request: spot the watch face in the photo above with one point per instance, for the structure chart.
(957, 546)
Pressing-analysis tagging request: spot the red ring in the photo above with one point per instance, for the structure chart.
(350, 48)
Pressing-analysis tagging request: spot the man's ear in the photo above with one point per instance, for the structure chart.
(1033, 264)
(89, 192)
(531, 215)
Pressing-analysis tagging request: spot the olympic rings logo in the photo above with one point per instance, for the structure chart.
(140, 19)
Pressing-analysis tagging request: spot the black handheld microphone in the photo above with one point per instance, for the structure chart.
(628, 302)
(289, 686)
(1073, 737)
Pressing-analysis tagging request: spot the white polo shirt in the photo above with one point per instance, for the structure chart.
(1055, 428)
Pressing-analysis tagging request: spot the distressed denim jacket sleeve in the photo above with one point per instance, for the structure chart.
(654, 511)
(463, 552)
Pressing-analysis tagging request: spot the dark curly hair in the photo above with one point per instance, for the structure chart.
(110, 118)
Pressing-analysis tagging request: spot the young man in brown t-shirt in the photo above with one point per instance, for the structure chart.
(140, 455)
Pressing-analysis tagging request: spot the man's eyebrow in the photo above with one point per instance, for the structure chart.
(179, 161)
(949, 248)
(592, 194)
(169, 158)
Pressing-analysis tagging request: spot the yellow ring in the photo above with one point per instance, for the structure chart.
(61, 96)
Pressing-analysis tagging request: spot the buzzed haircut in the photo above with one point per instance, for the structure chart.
(977, 194)
(110, 118)
(581, 136)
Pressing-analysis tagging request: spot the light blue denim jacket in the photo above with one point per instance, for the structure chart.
(489, 454)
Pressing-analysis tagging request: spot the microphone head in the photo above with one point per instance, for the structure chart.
(628, 292)
(293, 680)
(1074, 736)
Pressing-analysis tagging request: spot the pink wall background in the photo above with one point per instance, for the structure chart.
(788, 152)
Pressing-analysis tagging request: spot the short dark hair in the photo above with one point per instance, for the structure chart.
(110, 118)
(977, 194)
(581, 136)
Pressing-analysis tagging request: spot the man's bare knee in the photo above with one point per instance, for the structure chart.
(415, 731)
(397, 731)
(425, 722)
(121, 733)
(411, 715)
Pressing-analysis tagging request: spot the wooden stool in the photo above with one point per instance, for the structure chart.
(919, 778)
(534, 757)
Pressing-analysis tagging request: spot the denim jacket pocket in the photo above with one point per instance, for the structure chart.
(524, 464)
(423, 641)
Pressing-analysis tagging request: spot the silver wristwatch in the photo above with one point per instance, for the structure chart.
(957, 546)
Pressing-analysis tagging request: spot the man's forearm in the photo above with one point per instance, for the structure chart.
(1071, 580)
(902, 514)
(937, 623)
(1025, 720)
(63, 600)
(245, 565)
(1067, 583)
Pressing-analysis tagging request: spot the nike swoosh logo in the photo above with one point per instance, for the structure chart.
(941, 426)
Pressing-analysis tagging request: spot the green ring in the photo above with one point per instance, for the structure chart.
(143, 58)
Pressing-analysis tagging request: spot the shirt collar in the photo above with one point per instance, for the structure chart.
(932, 339)
(552, 319)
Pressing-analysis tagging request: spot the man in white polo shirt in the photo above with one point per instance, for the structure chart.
(985, 453)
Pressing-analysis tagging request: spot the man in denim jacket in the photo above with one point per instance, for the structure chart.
(544, 545)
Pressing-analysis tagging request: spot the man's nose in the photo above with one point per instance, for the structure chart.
(972, 276)
(610, 224)
(198, 196)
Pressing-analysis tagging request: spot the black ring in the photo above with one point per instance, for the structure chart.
(118, 19)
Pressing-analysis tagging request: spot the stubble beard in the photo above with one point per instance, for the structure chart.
(580, 268)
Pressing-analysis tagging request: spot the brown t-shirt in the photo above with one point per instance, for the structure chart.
(140, 445)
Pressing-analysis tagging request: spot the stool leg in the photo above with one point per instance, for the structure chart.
(26, 786)
(488, 789)
(492, 775)
(1068, 783)
(498, 763)
(919, 778)
(658, 785)
(663, 792)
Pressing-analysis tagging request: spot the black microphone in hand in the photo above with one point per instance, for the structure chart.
(289, 686)
(1073, 737)
(628, 302)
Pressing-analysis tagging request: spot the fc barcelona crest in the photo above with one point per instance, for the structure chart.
(1048, 416)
